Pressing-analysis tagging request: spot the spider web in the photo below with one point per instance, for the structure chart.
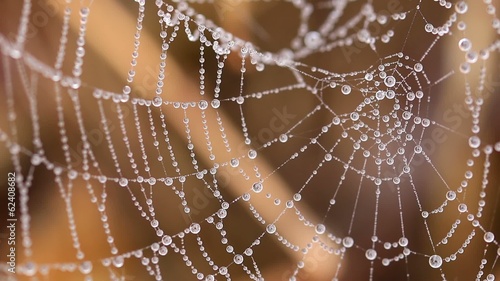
(342, 142)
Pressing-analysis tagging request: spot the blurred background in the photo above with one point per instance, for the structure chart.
(102, 207)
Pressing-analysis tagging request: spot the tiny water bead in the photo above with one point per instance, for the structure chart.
(313, 40)
(166, 240)
(283, 138)
(418, 67)
(195, 228)
(320, 228)
(346, 89)
(238, 259)
(234, 162)
(123, 182)
(271, 228)
(85, 267)
(390, 81)
(348, 242)
(380, 95)
(257, 187)
(252, 154)
(157, 101)
(371, 254)
(474, 142)
(464, 44)
(489, 237)
(435, 261)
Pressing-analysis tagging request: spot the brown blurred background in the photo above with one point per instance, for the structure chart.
(270, 25)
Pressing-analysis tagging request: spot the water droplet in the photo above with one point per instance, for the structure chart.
(403, 242)
(271, 228)
(195, 228)
(371, 254)
(435, 261)
(157, 101)
(462, 208)
(257, 187)
(461, 7)
(154, 223)
(346, 89)
(489, 237)
(320, 228)
(328, 157)
(313, 40)
(390, 81)
(354, 116)
(283, 138)
(418, 67)
(380, 95)
(118, 261)
(474, 141)
(252, 154)
(238, 259)
(123, 182)
(85, 267)
(203, 104)
(425, 214)
(166, 240)
(464, 44)
(348, 242)
(234, 162)
(451, 195)
(215, 103)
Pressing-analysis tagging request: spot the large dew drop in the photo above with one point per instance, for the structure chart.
(371, 254)
(313, 40)
(346, 89)
(474, 141)
(320, 228)
(435, 261)
(195, 228)
(257, 187)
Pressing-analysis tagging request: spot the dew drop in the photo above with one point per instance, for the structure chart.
(462, 208)
(354, 116)
(346, 89)
(252, 154)
(435, 261)
(313, 40)
(203, 104)
(403, 242)
(157, 101)
(461, 7)
(371, 254)
(195, 228)
(166, 240)
(271, 228)
(474, 142)
(118, 261)
(489, 237)
(464, 44)
(257, 187)
(238, 259)
(123, 182)
(418, 67)
(390, 81)
(215, 103)
(85, 267)
(320, 228)
(380, 95)
(283, 138)
(348, 242)
(234, 162)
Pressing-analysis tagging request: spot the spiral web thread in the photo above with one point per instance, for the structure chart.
(384, 131)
